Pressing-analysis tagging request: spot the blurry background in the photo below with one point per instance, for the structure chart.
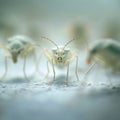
(57, 19)
(33, 17)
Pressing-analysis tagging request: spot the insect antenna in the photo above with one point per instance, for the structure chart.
(68, 43)
(50, 41)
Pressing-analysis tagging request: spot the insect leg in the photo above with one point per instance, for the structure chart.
(38, 63)
(48, 70)
(27, 51)
(24, 67)
(53, 70)
(86, 73)
(76, 69)
(67, 74)
(6, 69)
(35, 62)
(24, 55)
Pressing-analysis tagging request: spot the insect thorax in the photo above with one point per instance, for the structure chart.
(17, 45)
(21, 39)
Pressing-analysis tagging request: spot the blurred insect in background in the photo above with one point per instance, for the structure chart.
(60, 57)
(107, 53)
(7, 28)
(81, 33)
(111, 29)
(17, 46)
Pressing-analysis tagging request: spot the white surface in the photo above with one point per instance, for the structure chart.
(38, 99)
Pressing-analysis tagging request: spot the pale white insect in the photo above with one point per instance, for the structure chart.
(17, 46)
(61, 57)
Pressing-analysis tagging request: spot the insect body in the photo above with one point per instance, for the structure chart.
(107, 53)
(112, 29)
(80, 32)
(17, 46)
(61, 57)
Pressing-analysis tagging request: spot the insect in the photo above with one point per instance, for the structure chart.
(80, 32)
(111, 29)
(17, 46)
(7, 27)
(107, 53)
(61, 57)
